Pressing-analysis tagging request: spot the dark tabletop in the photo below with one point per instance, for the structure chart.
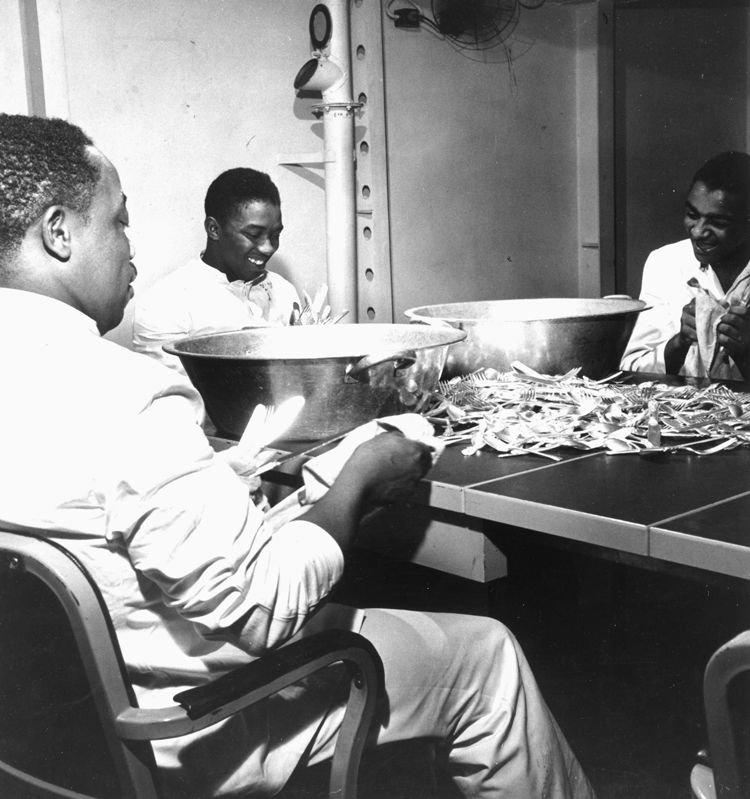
(679, 507)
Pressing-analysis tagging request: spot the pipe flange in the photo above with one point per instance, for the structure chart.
(349, 106)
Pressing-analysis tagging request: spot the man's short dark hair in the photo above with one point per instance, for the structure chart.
(729, 172)
(43, 162)
(235, 187)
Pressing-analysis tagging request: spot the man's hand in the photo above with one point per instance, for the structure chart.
(733, 334)
(384, 469)
(688, 333)
(390, 466)
(677, 347)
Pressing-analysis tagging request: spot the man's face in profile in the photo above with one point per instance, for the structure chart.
(100, 284)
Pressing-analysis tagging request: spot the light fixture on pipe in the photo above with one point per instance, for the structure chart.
(329, 72)
(318, 75)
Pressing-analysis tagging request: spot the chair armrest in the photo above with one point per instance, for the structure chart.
(198, 708)
(281, 668)
(263, 677)
(727, 663)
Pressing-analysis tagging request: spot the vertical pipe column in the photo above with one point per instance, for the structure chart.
(337, 109)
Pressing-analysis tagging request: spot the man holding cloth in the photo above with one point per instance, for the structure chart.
(102, 448)
(699, 288)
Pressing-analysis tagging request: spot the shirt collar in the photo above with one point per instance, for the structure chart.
(210, 271)
(220, 277)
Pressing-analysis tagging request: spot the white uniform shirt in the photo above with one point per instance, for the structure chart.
(197, 299)
(102, 447)
(665, 288)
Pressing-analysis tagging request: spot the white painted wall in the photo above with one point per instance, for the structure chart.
(492, 163)
(174, 92)
(13, 84)
(483, 156)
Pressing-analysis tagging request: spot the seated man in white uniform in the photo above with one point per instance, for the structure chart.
(699, 288)
(102, 448)
(228, 286)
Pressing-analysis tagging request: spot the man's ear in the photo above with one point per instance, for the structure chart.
(55, 228)
(213, 229)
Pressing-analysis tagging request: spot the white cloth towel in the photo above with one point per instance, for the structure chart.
(709, 309)
(319, 473)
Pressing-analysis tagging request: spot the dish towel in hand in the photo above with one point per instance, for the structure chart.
(707, 358)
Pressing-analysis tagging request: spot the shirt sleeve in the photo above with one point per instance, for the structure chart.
(190, 528)
(661, 292)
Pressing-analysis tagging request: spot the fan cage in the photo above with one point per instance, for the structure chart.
(475, 24)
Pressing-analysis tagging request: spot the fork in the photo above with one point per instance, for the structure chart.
(646, 392)
(266, 424)
(256, 424)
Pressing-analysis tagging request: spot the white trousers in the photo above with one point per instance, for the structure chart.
(464, 681)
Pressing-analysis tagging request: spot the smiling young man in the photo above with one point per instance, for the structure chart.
(229, 285)
(699, 288)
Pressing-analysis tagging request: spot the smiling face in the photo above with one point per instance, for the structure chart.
(242, 246)
(99, 284)
(716, 222)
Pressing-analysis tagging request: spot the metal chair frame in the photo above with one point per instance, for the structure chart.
(724, 777)
(124, 723)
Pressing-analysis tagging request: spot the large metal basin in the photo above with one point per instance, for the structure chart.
(348, 373)
(549, 335)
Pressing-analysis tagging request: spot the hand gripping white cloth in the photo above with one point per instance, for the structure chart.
(709, 358)
(319, 473)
